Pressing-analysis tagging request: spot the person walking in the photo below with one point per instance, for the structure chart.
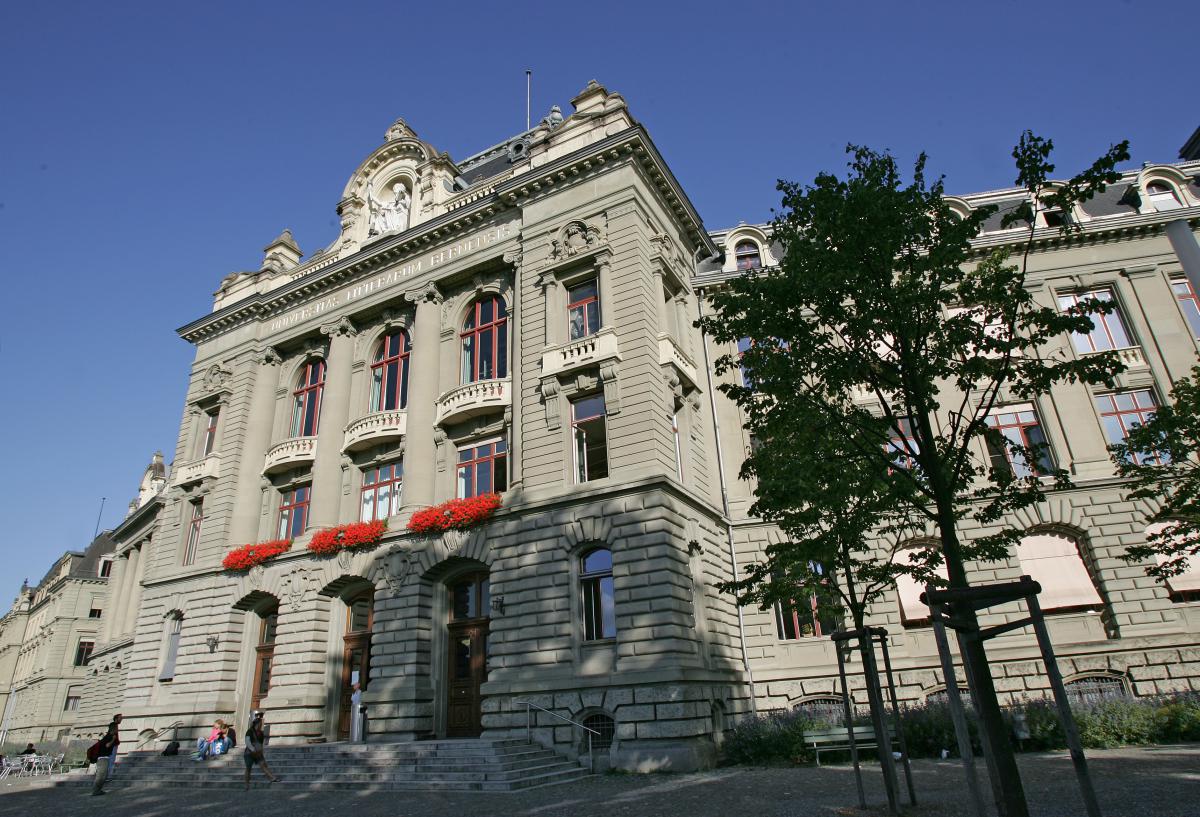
(255, 749)
(107, 754)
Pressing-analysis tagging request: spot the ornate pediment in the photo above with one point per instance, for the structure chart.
(575, 238)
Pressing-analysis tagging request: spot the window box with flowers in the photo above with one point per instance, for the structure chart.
(247, 556)
(352, 536)
(457, 514)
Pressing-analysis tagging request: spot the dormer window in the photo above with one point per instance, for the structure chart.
(747, 255)
(1163, 196)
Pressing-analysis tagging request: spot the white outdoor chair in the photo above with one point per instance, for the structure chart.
(56, 763)
(10, 765)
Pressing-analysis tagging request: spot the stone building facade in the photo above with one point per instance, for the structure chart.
(46, 641)
(522, 321)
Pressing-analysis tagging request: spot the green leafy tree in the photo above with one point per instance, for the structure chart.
(890, 337)
(1159, 459)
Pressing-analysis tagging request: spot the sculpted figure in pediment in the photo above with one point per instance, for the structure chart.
(386, 215)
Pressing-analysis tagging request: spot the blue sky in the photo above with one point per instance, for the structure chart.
(148, 149)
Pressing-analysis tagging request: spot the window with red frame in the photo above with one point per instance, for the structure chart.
(193, 532)
(1121, 411)
(1188, 303)
(389, 373)
(293, 511)
(583, 310)
(1020, 425)
(482, 469)
(381, 491)
(484, 339)
(208, 437)
(1108, 330)
(803, 620)
(747, 255)
(901, 446)
(306, 409)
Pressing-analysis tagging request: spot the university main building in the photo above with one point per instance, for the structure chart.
(521, 322)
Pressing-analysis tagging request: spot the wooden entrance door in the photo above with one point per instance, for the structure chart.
(467, 649)
(356, 655)
(264, 654)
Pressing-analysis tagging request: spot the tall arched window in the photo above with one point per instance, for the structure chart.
(389, 373)
(1054, 560)
(307, 406)
(747, 255)
(596, 595)
(485, 340)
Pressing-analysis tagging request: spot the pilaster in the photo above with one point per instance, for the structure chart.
(243, 527)
(335, 412)
(419, 448)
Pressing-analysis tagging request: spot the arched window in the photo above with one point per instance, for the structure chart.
(307, 406)
(596, 595)
(1163, 196)
(1093, 689)
(828, 710)
(389, 373)
(605, 726)
(1054, 561)
(485, 341)
(747, 255)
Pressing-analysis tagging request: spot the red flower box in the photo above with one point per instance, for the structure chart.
(457, 514)
(247, 556)
(345, 537)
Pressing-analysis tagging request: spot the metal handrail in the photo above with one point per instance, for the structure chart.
(143, 741)
(529, 729)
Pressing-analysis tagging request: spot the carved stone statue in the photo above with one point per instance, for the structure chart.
(387, 216)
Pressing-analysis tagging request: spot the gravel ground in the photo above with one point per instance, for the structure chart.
(1146, 782)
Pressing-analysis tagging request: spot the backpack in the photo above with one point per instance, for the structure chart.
(93, 752)
(172, 748)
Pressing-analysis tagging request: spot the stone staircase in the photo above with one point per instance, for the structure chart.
(436, 765)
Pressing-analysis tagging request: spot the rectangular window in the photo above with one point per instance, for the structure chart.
(174, 632)
(806, 619)
(590, 438)
(583, 310)
(1121, 411)
(1020, 425)
(83, 652)
(193, 532)
(1108, 331)
(381, 491)
(901, 446)
(743, 346)
(208, 438)
(1188, 303)
(106, 568)
(293, 511)
(483, 468)
(95, 612)
(596, 595)
(71, 704)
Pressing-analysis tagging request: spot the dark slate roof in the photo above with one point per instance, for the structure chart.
(1191, 148)
(85, 564)
(993, 221)
(492, 166)
(1117, 199)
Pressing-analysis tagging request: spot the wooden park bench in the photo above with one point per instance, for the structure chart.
(837, 739)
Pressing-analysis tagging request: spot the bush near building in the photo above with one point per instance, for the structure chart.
(778, 737)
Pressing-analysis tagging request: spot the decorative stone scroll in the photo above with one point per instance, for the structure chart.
(341, 327)
(575, 237)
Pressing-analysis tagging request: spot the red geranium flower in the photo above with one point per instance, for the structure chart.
(247, 556)
(344, 537)
(457, 514)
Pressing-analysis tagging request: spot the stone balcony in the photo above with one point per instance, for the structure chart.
(580, 353)
(191, 472)
(669, 352)
(1131, 356)
(290, 454)
(473, 399)
(374, 428)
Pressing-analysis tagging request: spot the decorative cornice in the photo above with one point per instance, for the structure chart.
(630, 144)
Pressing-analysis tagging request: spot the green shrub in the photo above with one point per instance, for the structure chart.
(767, 739)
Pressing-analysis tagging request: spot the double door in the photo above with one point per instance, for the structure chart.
(467, 652)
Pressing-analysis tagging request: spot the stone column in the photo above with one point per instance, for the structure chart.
(243, 526)
(516, 369)
(420, 453)
(335, 411)
(133, 590)
(116, 578)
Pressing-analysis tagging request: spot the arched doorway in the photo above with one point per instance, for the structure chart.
(264, 654)
(356, 654)
(467, 652)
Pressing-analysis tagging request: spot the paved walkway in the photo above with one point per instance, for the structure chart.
(1150, 782)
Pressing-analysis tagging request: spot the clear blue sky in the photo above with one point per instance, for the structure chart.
(146, 153)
